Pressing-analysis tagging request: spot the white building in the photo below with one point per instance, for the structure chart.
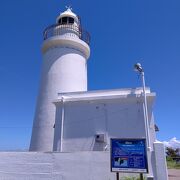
(85, 121)
(71, 124)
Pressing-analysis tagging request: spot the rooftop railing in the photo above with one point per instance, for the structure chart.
(70, 29)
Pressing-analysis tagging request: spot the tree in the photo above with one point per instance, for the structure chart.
(172, 152)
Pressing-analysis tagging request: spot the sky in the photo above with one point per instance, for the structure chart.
(123, 32)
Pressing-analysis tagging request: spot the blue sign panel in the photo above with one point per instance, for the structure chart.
(128, 155)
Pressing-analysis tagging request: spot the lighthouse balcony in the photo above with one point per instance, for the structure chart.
(70, 30)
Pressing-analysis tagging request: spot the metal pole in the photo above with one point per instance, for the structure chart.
(146, 112)
(62, 124)
(117, 176)
(138, 67)
(146, 122)
(141, 176)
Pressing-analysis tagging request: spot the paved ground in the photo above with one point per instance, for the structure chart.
(174, 174)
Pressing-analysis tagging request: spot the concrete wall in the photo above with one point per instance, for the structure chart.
(159, 161)
(83, 120)
(55, 166)
(66, 166)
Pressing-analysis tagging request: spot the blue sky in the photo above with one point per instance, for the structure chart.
(123, 32)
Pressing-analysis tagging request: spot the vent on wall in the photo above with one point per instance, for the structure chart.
(100, 138)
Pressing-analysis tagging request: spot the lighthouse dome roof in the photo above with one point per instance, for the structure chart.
(67, 13)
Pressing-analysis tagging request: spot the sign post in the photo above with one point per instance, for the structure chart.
(117, 176)
(141, 176)
(129, 155)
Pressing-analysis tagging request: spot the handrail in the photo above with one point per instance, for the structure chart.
(57, 29)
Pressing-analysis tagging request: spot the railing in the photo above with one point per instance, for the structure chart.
(72, 30)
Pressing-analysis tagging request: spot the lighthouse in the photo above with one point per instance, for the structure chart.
(86, 133)
(65, 52)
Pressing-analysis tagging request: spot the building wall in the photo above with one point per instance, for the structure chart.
(55, 166)
(115, 118)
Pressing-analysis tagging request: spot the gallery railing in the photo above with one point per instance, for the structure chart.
(70, 29)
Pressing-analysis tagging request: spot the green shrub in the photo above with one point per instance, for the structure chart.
(132, 178)
(171, 164)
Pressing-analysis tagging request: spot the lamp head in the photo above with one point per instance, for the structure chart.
(138, 67)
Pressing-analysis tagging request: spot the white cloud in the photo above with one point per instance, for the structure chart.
(173, 143)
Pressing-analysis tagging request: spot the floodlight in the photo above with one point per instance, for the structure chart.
(138, 67)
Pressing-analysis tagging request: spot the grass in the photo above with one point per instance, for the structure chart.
(132, 178)
(171, 164)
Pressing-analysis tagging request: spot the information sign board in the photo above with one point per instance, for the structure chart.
(129, 155)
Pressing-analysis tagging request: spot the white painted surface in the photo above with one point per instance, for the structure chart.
(64, 70)
(160, 161)
(66, 166)
(69, 40)
(112, 113)
(56, 166)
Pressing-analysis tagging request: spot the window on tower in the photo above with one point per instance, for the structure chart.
(60, 21)
(71, 20)
(66, 20)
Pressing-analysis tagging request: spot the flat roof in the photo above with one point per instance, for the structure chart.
(104, 94)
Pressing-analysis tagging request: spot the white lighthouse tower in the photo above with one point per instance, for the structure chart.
(65, 52)
(77, 126)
